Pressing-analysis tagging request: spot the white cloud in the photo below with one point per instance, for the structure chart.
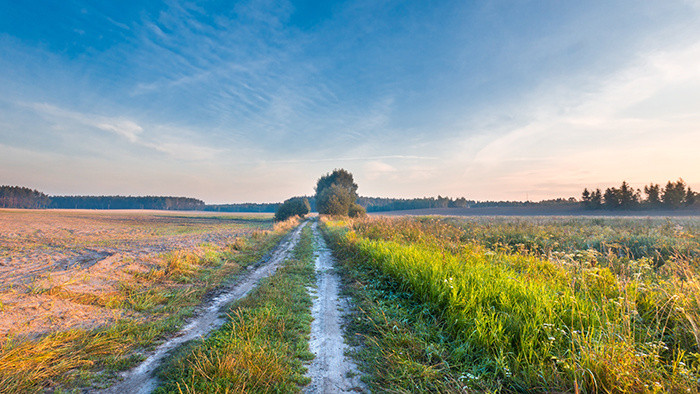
(123, 127)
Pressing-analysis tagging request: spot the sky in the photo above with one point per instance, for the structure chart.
(236, 101)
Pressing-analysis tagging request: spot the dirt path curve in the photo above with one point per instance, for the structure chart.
(141, 380)
(331, 371)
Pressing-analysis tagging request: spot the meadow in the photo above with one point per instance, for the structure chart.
(523, 304)
(84, 293)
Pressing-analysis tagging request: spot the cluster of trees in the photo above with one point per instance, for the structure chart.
(336, 194)
(675, 195)
(22, 197)
(295, 206)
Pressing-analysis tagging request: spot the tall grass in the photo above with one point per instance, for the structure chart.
(522, 321)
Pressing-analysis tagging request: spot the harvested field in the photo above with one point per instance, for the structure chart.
(59, 269)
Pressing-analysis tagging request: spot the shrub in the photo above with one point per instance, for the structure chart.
(296, 206)
(356, 210)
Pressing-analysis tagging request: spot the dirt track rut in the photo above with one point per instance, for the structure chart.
(141, 380)
(331, 371)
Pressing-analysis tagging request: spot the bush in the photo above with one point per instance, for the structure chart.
(357, 210)
(296, 206)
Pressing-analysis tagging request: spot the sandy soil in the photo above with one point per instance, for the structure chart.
(141, 379)
(89, 253)
(331, 371)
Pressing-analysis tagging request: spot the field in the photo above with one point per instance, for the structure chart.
(436, 304)
(524, 304)
(81, 291)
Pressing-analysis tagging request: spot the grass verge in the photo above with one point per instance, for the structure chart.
(156, 304)
(399, 343)
(263, 345)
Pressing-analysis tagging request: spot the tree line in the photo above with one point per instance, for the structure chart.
(378, 204)
(24, 197)
(674, 195)
(167, 203)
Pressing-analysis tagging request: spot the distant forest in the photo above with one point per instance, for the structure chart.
(23, 197)
(126, 202)
(675, 195)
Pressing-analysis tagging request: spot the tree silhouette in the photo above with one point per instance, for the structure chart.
(653, 193)
(674, 194)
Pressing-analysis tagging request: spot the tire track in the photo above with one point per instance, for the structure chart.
(141, 380)
(331, 371)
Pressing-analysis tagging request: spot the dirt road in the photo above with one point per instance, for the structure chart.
(141, 379)
(331, 371)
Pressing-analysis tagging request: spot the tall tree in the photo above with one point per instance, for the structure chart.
(586, 198)
(336, 194)
(690, 196)
(596, 199)
(611, 198)
(674, 194)
(629, 198)
(340, 177)
(653, 192)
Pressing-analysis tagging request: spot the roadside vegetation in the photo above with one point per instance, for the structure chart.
(262, 346)
(583, 305)
(148, 307)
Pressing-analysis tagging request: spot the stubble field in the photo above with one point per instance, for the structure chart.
(80, 290)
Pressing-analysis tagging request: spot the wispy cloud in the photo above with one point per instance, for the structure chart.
(118, 125)
(165, 139)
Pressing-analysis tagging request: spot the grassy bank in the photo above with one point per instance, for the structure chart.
(262, 346)
(150, 305)
(444, 312)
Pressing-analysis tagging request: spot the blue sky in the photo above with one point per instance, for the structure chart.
(254, 100)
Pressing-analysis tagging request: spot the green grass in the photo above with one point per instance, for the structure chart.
(155, 303)
(262, 346)
(514, 320)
